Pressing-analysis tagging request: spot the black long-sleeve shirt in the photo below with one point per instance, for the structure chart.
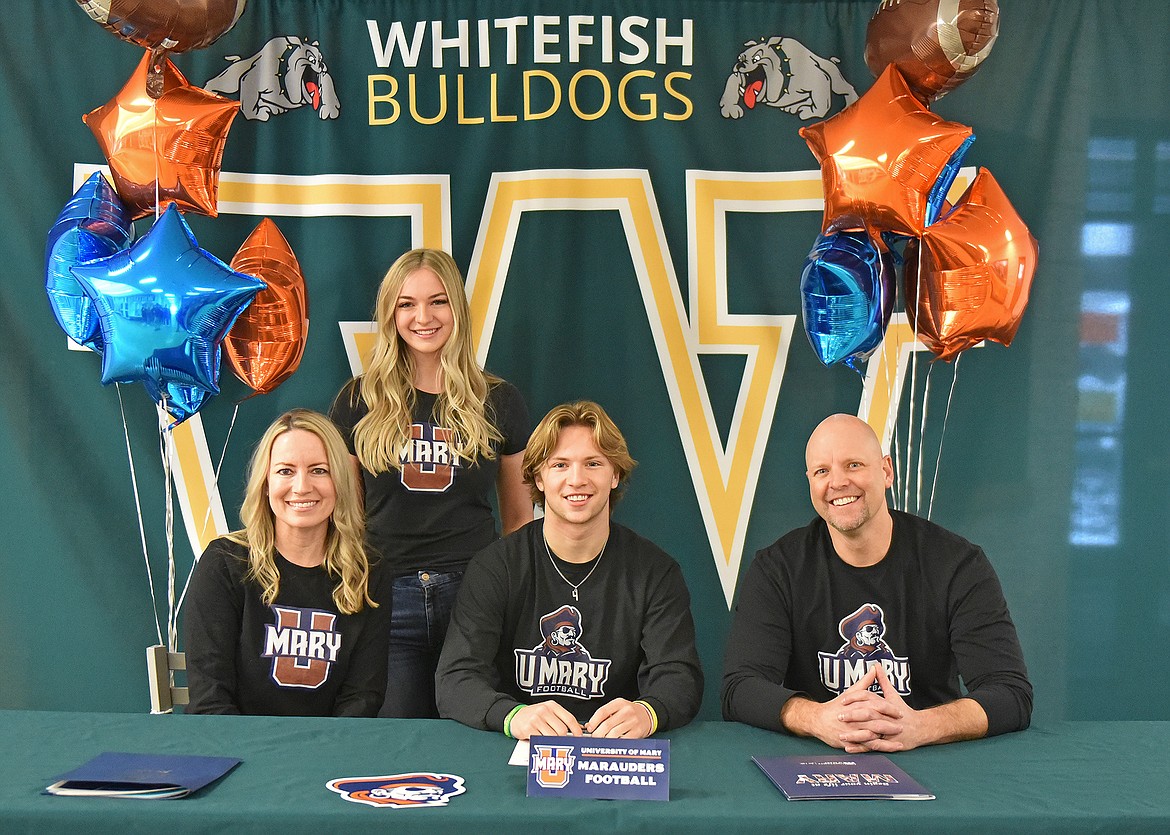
(629, 635)
(297, 657)
(936, 613)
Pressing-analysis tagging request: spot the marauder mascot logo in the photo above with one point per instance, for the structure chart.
(285, 74)
(782, 72)
(418, 790)
(560, 665)
(302, 645)
(864, 633)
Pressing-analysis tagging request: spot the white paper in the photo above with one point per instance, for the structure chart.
(519, 753)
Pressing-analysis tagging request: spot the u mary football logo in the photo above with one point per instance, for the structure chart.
(418, 790)
(552, 765)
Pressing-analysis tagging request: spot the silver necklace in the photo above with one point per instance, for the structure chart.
(556, 568)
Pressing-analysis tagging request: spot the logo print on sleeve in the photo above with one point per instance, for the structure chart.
(302, 645)
(864, 633)
(560, 665)
(428, 463)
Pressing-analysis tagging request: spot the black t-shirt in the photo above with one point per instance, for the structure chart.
(435, 512)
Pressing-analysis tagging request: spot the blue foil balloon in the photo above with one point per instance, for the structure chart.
(178, 400)
(164, 306)
(937, 199)
(94, 224)
(847, 296)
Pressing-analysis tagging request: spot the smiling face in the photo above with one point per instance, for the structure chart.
(847, 473)
(300, 486)
(576, 480)
(422, 314)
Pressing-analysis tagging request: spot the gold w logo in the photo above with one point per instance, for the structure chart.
(724, 474)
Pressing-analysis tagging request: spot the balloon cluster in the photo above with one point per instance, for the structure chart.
(887, 164)
(158, 309)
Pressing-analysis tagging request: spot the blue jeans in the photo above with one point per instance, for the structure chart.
(418, 624)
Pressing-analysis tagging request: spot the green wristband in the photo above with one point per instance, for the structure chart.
(513, 712)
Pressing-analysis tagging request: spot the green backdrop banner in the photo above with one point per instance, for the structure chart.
(632, 231)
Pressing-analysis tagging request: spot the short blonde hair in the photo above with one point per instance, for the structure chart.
(345, 553)
(606, 435)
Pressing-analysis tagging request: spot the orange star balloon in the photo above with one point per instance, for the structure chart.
(267, 341)
(969, 277)
(886, 161)
(174, 142)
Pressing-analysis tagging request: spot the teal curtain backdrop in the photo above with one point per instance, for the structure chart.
(625, 241)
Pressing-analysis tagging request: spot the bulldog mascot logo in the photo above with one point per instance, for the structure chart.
(784, 73)
(285, 74)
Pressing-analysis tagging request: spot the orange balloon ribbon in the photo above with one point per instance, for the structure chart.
(173, 143)
(886, 161)
(267, 341)
(969, 277)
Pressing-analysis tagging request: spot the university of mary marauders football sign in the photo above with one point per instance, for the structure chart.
(613, 769)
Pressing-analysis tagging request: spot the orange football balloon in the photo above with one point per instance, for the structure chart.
(175, 25)
(969, 277)
(935, 44)
(883, 158)
(266, 343)
(173, 143)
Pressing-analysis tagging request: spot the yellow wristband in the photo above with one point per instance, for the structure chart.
(653, 716)
(508, 720)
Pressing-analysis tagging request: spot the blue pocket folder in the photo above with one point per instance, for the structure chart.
(143, 776)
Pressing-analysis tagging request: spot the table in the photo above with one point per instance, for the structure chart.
(1062, 776)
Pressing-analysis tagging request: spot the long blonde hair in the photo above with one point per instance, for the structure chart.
(345, 553)
(388, 384)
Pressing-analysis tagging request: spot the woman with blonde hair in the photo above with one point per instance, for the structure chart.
(287, 616)
(433, 434)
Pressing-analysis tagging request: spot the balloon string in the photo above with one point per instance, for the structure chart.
(942, 437)
(922, 439)
(895, 435)
(910, 431)
(138, 508)
(913, 372)
(207, 516)
(154, 140)
(166, 449)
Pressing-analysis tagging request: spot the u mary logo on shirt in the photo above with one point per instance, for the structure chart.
(303, 646)
(428, 462)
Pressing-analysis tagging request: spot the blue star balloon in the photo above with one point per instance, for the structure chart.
(178, 400)
(847, 295)
(94, 224)
(164, 306)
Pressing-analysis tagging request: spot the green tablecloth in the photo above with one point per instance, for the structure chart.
(1069, 776)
